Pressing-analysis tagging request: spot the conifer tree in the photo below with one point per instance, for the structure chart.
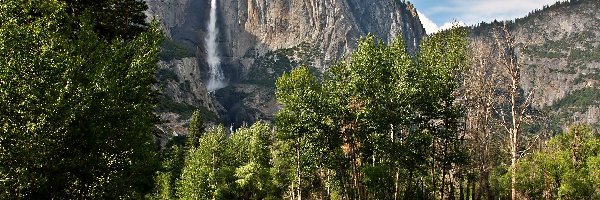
(196, 130)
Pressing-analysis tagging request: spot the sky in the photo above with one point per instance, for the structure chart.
(437, 15)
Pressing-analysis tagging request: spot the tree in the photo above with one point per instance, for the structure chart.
(235, 168)
(565, 168)
(513, 121)
(254, 178)
(443, 58)
(206, 173)
(172, 159)
(375, 116)
(481, 96)
(76, 109)
(196, 129)
(123, 19)
(298, 92)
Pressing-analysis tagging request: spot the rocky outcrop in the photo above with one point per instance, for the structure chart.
(171, 14)
(261, 39)
(333, 25)
(186, 85)
(182, 92)
(560, 51)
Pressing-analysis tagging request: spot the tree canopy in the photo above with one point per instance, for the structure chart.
(375, 122)
(76, 108)
(114, 19)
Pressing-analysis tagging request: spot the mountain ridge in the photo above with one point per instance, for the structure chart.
(558, 47)
(260, 40)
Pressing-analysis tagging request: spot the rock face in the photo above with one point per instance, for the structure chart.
(560, 51)
(182, 93)
(261, 39)
(332, 25)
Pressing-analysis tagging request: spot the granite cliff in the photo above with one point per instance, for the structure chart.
(258, 41)
(560, 53)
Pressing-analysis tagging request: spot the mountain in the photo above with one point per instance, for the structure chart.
(258, 41)
(559, 47)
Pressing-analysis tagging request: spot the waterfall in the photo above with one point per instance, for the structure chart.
(216, 80)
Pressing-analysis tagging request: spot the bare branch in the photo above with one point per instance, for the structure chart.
(524, 107)
(503, 122)
(530, 145)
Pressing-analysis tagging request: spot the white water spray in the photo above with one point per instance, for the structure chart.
(216, 80)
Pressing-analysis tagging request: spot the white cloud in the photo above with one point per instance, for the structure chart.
(475, 11)
(432, 27)
(449, 25)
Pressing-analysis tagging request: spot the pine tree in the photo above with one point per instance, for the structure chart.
(196, 129)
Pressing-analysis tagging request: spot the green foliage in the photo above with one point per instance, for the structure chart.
(123, 19)
(165, 75)
(76, 108)
(167, 104)
(195, 130)
(586, 55)
(594, 75)
(550, 49)
(379, 181)
(564, 169)
(260, 143)
(269, 67)
(575, 47)
(205, 167)
(163, 184)
(172, 50)
(172, 158)
(382, 107)
(578, 101)
(234, 168)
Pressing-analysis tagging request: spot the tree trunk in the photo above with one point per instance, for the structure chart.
(292, 191)
(486, 187)
(345, 185)
(461, 192)
(442, 187)
(298, 168)
(397, 184)
(516, 118)
(513, 142)
(472, 189)
(452, 188)
(513, 171)
(329, 181)
(513, 165)
(433, 168)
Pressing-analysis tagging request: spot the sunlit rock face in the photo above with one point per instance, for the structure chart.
(258, 40)
(333, 25)
(559, 50)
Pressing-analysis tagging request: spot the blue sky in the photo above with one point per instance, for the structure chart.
(439, 14)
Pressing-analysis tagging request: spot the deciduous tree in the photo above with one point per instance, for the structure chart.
(76, 109)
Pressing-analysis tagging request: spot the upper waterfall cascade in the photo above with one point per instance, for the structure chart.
(216, 79)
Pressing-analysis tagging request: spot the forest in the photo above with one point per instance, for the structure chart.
(449, 121)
